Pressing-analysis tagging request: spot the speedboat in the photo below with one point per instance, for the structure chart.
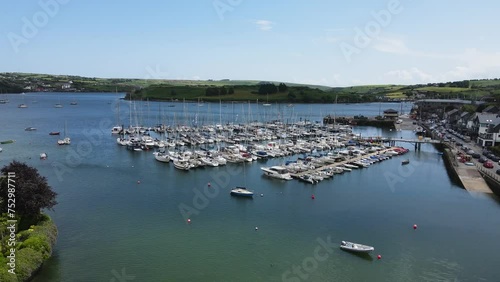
(162, 157)
(241, 192)
(307, 179)
(277, 172)
(65, 141)
(54, 133)
(355, 247)
(182, 164)
(405, 162)
(30, 129)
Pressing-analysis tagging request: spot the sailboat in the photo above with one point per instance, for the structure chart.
(23, 105)
(66, 140)
(58, 105)
(4, 101)
(266, 104)
(240, 191)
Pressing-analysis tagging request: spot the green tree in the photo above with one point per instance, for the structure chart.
(223, 91)
(31, 190)
(282, 87)
(268, 88)
(212, 91)
(230, 90)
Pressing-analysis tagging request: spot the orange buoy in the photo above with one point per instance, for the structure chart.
(414, 226)
(379, 257)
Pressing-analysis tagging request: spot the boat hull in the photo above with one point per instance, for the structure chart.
(241, 192)
(356, 248)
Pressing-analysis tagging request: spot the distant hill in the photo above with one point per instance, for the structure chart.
(247, 90)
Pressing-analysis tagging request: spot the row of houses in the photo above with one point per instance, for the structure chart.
(484, 126)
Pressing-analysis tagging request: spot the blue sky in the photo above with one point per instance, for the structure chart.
(327, 42)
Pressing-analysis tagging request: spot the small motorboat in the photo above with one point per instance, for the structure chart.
(241, 192)
(54, 133)
(29, 129)
(43, 156)
(405, 162)
(355, 247)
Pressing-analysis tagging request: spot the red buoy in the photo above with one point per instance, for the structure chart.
(379, 257)
(189, 220)
(312, 196)
(414, 226)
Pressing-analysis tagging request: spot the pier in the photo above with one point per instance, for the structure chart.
(341, 163)
(392, 141)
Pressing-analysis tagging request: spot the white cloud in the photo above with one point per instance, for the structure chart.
(391, 45)
(413, 75)
(264, 25)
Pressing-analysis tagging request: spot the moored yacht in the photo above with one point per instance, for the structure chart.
(241, 192)
(277, 172)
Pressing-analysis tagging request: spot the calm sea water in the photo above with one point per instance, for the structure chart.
(113, 229)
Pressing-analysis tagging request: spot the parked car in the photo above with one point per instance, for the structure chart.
(494, 158)
(482, 159)
(475, 155)
(488, 164)
(498, 171)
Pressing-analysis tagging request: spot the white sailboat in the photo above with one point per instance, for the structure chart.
(241, 191)
(66, 140)
(58, 105)
(266, 104)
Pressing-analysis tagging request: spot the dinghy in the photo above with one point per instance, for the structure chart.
(355, 247)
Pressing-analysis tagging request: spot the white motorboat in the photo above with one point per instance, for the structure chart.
(241, 192)
(355, 247)
(182, 164)
(43, 156)
(344, 168)
(116, 130)
(65, 141)
(308, 179)
(162, 157)
(277, 172)
(209, 161)
(351, 166)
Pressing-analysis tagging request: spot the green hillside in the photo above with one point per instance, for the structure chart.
(247, 90)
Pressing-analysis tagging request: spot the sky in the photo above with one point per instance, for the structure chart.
(322, 42)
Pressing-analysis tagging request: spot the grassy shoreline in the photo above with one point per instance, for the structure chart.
(35, 239)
